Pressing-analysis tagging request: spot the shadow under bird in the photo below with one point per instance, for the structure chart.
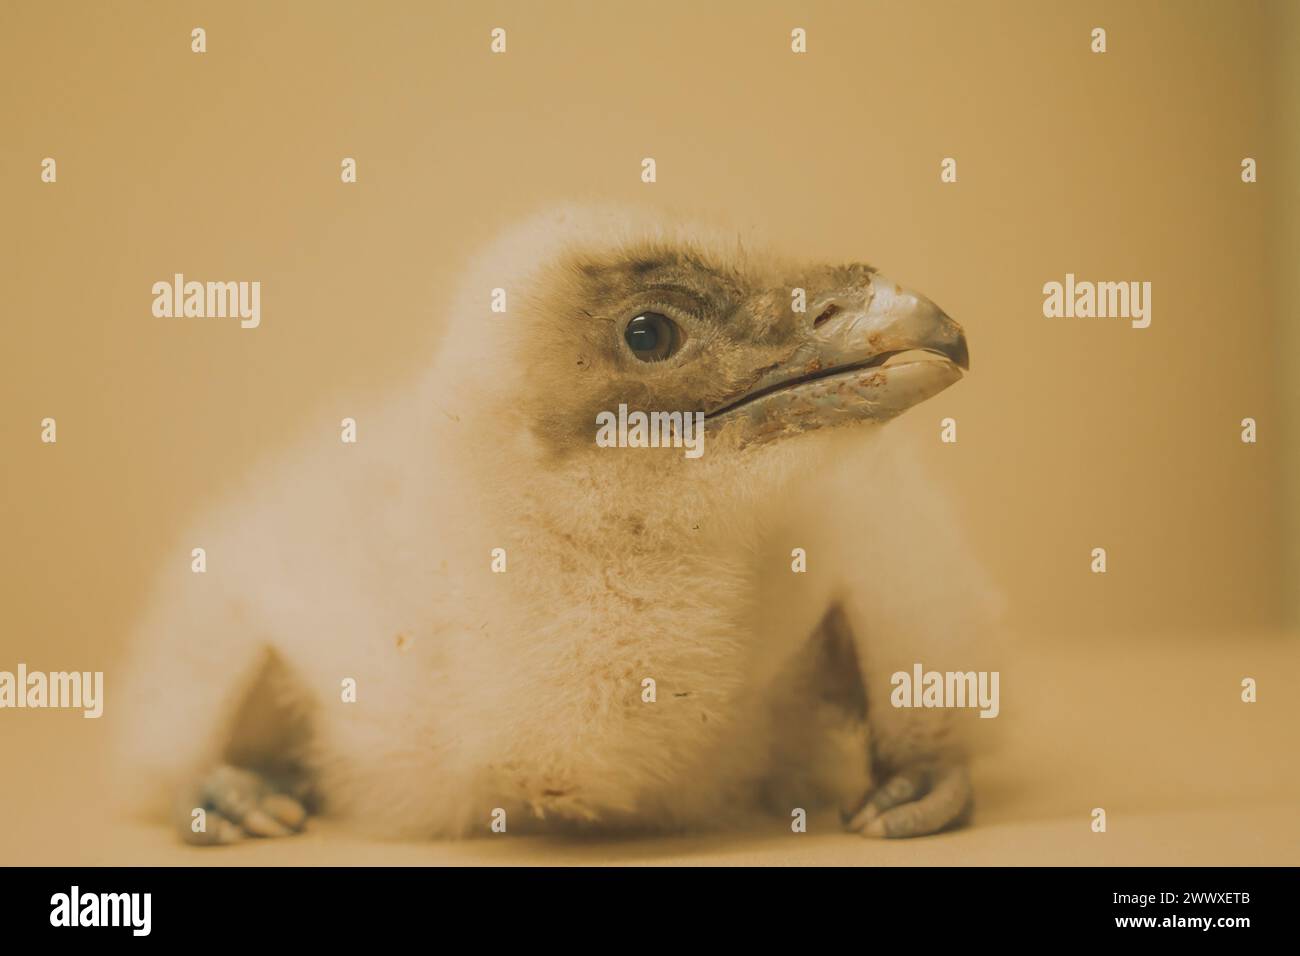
(476, 614)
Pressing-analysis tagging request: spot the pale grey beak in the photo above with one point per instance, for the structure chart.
(867, 354)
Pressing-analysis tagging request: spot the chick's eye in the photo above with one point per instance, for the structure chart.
(652, 336)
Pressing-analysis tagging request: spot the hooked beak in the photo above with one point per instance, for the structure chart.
(868, 354)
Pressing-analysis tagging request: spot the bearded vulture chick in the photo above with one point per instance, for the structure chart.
(538, 628)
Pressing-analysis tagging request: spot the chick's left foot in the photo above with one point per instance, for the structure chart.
(916, 800)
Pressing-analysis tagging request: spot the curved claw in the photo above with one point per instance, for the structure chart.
(915, 801)
(240, 803)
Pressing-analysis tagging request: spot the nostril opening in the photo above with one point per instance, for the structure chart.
(827, 312)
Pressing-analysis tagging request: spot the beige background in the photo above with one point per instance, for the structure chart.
(1073, 433)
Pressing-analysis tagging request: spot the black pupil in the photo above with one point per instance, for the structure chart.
(643, 334)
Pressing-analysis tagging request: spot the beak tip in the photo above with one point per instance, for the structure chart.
(958, 353)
